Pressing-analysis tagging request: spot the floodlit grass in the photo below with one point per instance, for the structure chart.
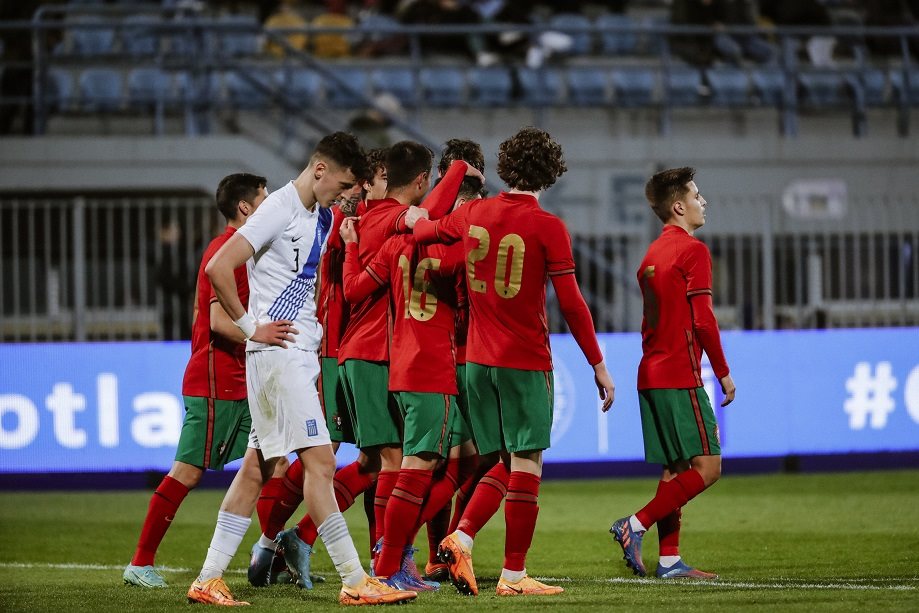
(828, 542)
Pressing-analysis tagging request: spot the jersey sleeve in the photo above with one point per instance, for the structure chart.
(705, 326)
(577, 316)
(453, 260)
(697, 267)
(443, 196)
(449, 229)
(338, 217)
(360, 284)
(268, 222)
(557, 242)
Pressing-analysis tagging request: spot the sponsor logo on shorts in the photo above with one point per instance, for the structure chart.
(337, 420)
(311, 429)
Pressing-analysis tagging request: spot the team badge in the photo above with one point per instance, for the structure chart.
(311, 429)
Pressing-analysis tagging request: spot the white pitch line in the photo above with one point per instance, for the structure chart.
(782, 583)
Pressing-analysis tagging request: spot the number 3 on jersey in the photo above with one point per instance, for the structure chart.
(509, 265)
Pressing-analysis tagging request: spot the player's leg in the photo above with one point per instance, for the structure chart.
(670, 564)
(279, 498)
(677, 425)
(526, 399)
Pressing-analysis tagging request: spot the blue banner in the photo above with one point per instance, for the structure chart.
(72, 407)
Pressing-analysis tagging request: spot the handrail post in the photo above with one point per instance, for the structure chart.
(79, 268)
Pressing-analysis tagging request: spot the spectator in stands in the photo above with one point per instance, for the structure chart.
(444, 12)
(703, 50)
(332, 45)
(287, 15)
(889, 13)
(804, 13)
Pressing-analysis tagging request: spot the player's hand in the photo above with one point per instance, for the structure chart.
(277, 333)
(727, 386)
(605, 385)
(413, 214)
(348, 230)
(472, 171)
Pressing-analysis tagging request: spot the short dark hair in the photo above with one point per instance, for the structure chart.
(236, 187)
(471, 188)
(530, 160)
(460, 149)
(406, 160)
(665, 188)
(343, 149)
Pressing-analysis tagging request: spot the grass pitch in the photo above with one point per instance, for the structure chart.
(828, 542)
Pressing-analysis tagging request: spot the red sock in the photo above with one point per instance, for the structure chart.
(520, 510)
(671, 495)
(386, 481)
(668, 532)
(369, 496)
(402, 512)
(437, 531)
(349, 482)
(485, 500)
(162, 509)
(279, 498)
(440, 494)
(463, 494)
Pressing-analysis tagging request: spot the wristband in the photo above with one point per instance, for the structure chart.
(247, 324)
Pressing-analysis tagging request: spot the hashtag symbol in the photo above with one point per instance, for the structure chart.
(870, 395)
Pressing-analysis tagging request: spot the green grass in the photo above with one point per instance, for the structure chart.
(837, 542)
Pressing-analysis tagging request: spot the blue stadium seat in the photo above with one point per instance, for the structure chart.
(901, 91)
(59, 90)
(541, 86)
(242, 41)
(400, 82)
(101, 89)
(339, 97)
(617, 43)
(249, 89)
(633, 87)
(302, 85)
(490, 86)
(822, 89)
(199, 90)
(729, 86)
(442, 86)
(581, 43)
(652, 42)
(93, 40)
(768, 85)
(148, 86)
(587, 87)
(875, 83)
(138, 39)
(684, 86)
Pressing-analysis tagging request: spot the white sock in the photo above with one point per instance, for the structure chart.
(668, 561)
(337, 540)
(267, 543)
(464, 539)
(636, 525)
(513, 576)
(228, 535)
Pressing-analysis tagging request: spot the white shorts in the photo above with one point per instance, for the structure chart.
(284, 400)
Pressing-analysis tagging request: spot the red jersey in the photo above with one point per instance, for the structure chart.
(331, 308)
(462, 317)
(422, 283)
(367, 334)
(217, 367)
(512, 247)
(676, 268)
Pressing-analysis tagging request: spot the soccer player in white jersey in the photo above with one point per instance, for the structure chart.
(282, 246)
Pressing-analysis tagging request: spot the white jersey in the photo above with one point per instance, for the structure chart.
(288, 241)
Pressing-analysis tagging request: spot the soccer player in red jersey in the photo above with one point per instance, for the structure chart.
(512, 248)
(680, 431)
(364, 352)
(217, 422)
(281, 496)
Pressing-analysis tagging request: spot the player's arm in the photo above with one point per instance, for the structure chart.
(448, 230)
(359, 284)
(222, 324)
(219, 270)
(442, 198)
(698, 268)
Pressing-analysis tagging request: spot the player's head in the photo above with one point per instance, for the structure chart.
(675, 198)
(460, 149)
(238, 195)
(408, 170)
(530, 160)
(335, 166)
(374, 187)
(470, 189)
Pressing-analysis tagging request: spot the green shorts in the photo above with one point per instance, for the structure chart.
(509, 409)
(374, 412)
(334, 406)
(427, 418)
(677, 424)
(214, 432)
(460, 432)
